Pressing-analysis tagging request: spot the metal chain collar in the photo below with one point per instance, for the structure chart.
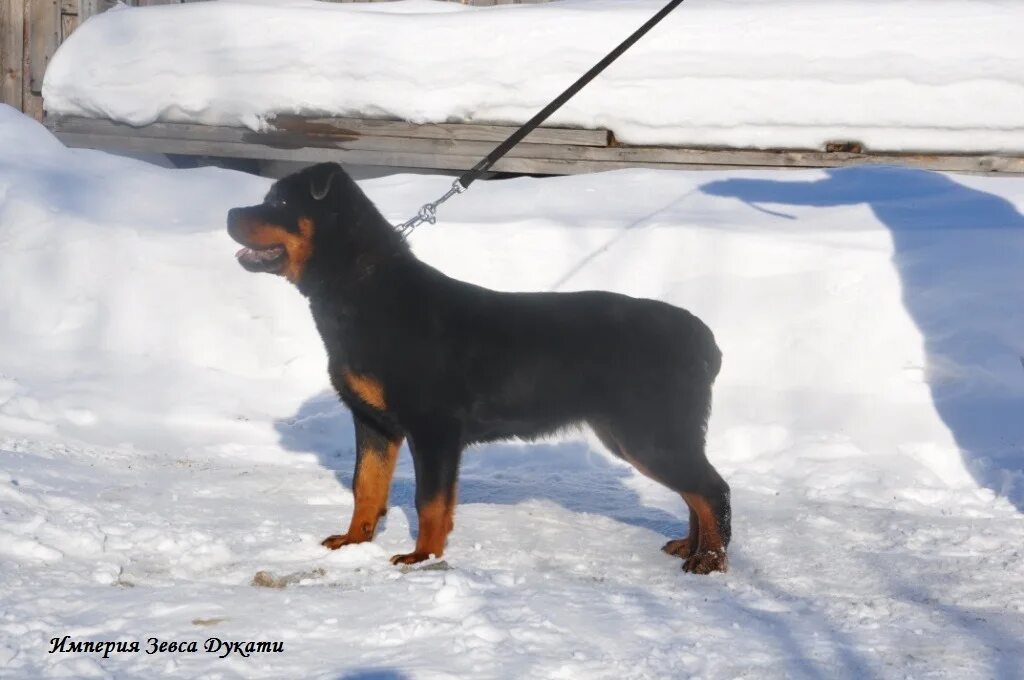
(428, 213)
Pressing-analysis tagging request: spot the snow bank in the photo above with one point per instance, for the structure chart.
(94, 304)
(914, 74)
(167, 431)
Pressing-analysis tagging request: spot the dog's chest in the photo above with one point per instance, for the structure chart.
(349, 361)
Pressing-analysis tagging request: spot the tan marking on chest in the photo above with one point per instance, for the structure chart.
(368, 389)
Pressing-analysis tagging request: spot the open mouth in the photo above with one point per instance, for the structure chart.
(261, 259)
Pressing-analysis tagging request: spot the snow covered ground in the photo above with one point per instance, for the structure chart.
(167, 431)
(904, 74)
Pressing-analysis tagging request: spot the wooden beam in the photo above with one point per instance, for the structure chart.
(12, 51)
(656, 154)
(338, 130)
(539, 166)
(350, 127)
(216, 137)
(230, 140)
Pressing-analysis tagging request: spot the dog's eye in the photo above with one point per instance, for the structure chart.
(278, 203)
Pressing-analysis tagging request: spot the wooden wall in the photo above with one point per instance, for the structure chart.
(31, 31)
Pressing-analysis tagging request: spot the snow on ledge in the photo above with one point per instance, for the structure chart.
(929, 75)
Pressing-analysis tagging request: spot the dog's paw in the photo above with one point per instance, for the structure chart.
(410, 558)
(706, 561)
(681, 547)
(338, 540)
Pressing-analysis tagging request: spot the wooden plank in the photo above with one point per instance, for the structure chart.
(12, 51)
(69, 6)
(347, 127)
(231, 141)
(286, 141)
(353, 157)
(31, 103)
(620, 154)
(44, 36)
(357, 128)
(439, 135)
(68, 24)
(670, 155)
(411, 155)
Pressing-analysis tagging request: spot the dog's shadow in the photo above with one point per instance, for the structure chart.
(568, 473)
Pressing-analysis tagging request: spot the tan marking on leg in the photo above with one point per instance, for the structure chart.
(685, 547)
(437, 519)
(366, 388)
(710, 553)
(372, 487)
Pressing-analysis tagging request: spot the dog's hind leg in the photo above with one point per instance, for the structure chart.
(376, 455)
(677, 460)
(710, 505)
(686, 470)
(436, 457)
(707, 496)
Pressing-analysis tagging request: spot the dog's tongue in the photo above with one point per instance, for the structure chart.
(253, 255)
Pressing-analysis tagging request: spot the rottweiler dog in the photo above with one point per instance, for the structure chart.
(415, 354)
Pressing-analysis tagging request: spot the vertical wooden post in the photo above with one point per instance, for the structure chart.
(86, 8)
(31, 104)
(12, 51)
(42, 35)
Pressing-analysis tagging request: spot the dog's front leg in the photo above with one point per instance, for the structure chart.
(436, 459)
(376, 454)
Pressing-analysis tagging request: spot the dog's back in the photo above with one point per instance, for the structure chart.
(528, 363)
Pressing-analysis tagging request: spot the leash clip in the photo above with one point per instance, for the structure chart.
(428, 212)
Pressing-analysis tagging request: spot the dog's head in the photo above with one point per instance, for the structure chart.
(279, 234)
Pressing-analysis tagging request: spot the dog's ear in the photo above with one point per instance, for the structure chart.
(320, 183)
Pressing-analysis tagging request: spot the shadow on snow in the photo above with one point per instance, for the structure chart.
(568, 473)
(953, 249)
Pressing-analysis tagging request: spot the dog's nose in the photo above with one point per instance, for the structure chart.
(233, 216)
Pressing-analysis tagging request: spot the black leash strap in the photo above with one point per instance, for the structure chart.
(428, 213)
